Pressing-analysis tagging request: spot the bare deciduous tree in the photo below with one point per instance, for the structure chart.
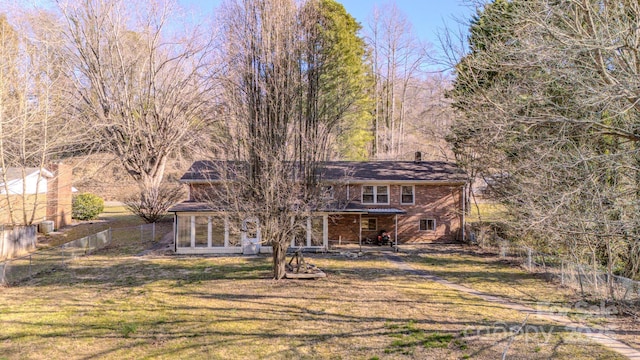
(142, 81)
(399, 59)
(263, 92)
(549, 97)
(281, 115)
(33, 99)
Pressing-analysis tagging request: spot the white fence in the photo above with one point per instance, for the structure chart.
(17, 240)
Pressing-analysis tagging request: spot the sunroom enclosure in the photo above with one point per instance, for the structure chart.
(215, 233)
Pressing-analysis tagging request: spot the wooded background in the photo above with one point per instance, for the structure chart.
(542, 105)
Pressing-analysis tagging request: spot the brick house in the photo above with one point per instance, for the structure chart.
(414, 201)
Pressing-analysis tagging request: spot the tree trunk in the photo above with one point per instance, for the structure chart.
(610, 270)
(279, 259)
(595, 268)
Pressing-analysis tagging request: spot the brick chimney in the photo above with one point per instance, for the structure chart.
(59, 196)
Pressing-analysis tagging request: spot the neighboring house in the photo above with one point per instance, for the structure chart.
(33, 182)
(419, 201)
(48, 192)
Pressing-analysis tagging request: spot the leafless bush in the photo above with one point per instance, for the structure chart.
(152, 206)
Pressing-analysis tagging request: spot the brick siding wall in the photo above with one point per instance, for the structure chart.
(203, 192)
(344, 228)
(441, 203)
(59, 195)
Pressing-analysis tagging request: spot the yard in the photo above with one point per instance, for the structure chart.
(117, 306)
(113, 216)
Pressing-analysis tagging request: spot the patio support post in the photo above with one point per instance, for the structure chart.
(175, 232)
(193, 231)
(308, 231)
(293, 236)
(226, 231)
(209, 232)
(360, 227)
(325, 231)
(396, 235)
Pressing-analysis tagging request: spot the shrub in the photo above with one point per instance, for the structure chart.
(87, 206)
(152, 205)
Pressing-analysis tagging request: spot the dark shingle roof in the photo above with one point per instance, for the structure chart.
(429, 171)
(205, 170)
(437, 171)
(193, 206)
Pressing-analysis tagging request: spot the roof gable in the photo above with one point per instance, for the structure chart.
(15, 173)
(34, 180)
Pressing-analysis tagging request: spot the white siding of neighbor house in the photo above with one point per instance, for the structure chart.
(36, 184)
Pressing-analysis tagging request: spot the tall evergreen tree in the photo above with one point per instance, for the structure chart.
(336, 77)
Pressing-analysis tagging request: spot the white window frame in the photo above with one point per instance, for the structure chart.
(309, 230)
(427, 223)
(413, 195)
(375, 195)
(189, 223)
(363, 220)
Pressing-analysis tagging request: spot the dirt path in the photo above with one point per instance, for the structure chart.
(596, 335)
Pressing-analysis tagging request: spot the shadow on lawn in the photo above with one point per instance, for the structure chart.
(170, 325)
(106, 269)
(487, 270)
(260, 320)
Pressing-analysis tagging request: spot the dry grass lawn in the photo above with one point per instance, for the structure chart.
(126, 307)
(116, 305)
(486, 212)
(487, 273)
(111, 217)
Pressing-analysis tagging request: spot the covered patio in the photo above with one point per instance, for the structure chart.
(362, 226)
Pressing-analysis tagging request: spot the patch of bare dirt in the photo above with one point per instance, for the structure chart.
(163, 247)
